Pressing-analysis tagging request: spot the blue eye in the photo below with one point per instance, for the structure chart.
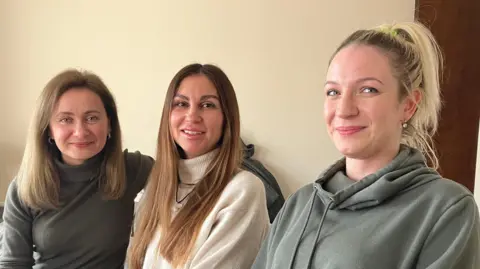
(369, 90)
(332, 92)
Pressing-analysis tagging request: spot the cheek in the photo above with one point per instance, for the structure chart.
(101, 130)
(328, 112)
(175, 120)
(386, 116)
(58, 133)
(215, 123)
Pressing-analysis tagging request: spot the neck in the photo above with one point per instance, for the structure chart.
(358, 168)
(191, 171)
(79, 173)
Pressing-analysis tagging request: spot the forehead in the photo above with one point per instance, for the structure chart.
(357, 61)
(78, 99)
(196, 86)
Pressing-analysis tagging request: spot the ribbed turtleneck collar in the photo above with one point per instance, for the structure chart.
(79, 173)
(191, 171)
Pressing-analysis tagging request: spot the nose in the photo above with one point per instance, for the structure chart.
(193, 114)
(81, 129)
(346, 106)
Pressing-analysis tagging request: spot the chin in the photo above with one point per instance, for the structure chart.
(192, 153)
(194, 149)
(351, 151)
(83, 155)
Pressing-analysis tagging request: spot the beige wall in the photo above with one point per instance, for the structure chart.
(274, 51)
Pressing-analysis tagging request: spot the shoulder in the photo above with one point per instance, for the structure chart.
(13, 202)
(137, 159)
(297, 201)
(292, 208)
(244, 189)
(444, 193)
(300, 197)
(438, 199)
(451, 208)
(12, 186)
(136, 162)
(12, 192)
(245, 181)
(452, 194)
(138, 167)
(449, 187)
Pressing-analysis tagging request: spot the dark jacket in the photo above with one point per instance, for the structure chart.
(275, 199)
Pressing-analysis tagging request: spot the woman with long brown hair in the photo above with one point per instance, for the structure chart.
(199, 210)
(71, 204)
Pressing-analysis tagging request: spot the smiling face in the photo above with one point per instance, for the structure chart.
(196, 118)
(362, 107)
(79, 125)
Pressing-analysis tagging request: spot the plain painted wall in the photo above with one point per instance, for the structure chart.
(275, 53)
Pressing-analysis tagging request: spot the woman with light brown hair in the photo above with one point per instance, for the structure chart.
(71, 203)
(199, 210)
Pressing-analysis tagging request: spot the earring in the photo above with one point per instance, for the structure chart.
(404, 125)
(109, 136)
(50, 140)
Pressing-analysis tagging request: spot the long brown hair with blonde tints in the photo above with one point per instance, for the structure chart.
(417, 62)
(178, 235)
(37, 179)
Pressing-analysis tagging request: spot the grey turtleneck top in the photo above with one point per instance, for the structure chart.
(86, 232)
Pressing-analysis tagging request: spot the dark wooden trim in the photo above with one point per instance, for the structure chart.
(456, 26)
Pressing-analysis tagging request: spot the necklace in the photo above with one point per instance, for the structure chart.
(184, 197)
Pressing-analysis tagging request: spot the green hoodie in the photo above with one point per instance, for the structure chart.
(403, 216)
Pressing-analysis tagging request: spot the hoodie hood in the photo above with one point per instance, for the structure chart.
(407, 170)
(336, 191)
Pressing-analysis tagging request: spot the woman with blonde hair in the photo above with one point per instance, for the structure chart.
(381, 206)
(199, 210)
(72, 201)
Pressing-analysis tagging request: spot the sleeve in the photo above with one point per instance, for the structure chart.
(239, 228)
(138, 168)
(262, 260)
(453, 242)
(17, 244)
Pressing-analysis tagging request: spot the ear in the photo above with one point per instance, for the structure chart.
(411, 103)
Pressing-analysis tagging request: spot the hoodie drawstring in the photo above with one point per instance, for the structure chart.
(310, 259)
(303, 230)
(317, 235)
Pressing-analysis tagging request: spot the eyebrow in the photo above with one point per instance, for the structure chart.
(203, 98)
(91, 111)
(71, 113)
(357, 81)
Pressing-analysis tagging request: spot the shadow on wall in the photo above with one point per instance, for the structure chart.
(10, 158)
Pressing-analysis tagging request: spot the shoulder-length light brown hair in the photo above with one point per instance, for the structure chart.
(37, 180)
(179, 234)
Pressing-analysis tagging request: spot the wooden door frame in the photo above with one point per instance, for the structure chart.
(456, 26)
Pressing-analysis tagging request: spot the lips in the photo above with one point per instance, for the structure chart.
(192, 133)
(81, 144)
(349, 130)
